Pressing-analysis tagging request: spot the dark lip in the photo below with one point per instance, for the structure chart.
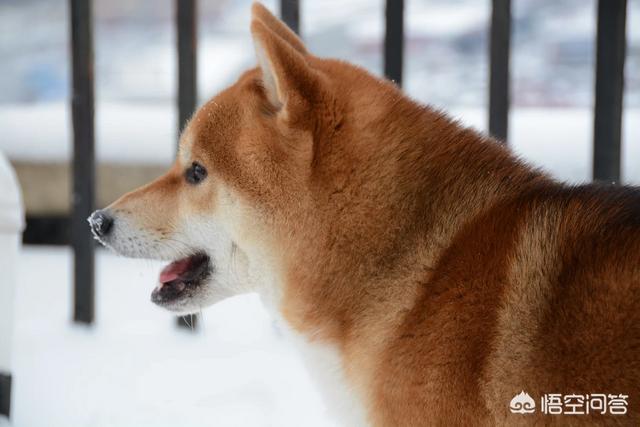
(184, 287)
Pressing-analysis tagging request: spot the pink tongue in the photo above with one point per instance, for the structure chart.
(174, 270)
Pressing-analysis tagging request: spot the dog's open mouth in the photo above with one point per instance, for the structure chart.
(180, 278)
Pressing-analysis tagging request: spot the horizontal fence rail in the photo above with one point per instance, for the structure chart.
(607, 122)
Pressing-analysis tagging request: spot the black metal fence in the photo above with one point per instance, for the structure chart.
(607, 124)
(83, 200)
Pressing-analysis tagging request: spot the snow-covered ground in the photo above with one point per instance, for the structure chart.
(136, 368)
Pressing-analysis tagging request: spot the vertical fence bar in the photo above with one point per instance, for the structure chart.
(610, 55)
(499, 49)
(290, 14)
(187, 45)
(5, 394)
(83, 200)
(186, 25)
(394, 40)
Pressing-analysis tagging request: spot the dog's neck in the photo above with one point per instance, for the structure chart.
(353, 269)
(398, 209)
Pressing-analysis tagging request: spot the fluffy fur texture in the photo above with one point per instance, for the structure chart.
(433, 274)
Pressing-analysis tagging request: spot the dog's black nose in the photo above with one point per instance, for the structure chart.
(101, 223)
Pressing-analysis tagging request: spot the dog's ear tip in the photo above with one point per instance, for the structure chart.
(257, 9)
(260, 13)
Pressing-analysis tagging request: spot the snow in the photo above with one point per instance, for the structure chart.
(557, 139)
(134, 367)
(126, 132)
(442, 20)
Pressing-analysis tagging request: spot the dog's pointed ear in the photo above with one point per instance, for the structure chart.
(291, 85)
(261, 13)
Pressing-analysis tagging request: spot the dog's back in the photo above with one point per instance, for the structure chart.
(539, 293)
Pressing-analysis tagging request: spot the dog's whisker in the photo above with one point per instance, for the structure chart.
(202, 327)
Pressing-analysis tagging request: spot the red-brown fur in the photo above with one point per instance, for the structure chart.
(448, 274)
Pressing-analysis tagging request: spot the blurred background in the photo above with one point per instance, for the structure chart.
(133, 366)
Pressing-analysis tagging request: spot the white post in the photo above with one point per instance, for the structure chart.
(11, 225)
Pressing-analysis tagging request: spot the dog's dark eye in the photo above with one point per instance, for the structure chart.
(195, 173)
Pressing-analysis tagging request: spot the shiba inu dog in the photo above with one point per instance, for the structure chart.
(428, 275)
